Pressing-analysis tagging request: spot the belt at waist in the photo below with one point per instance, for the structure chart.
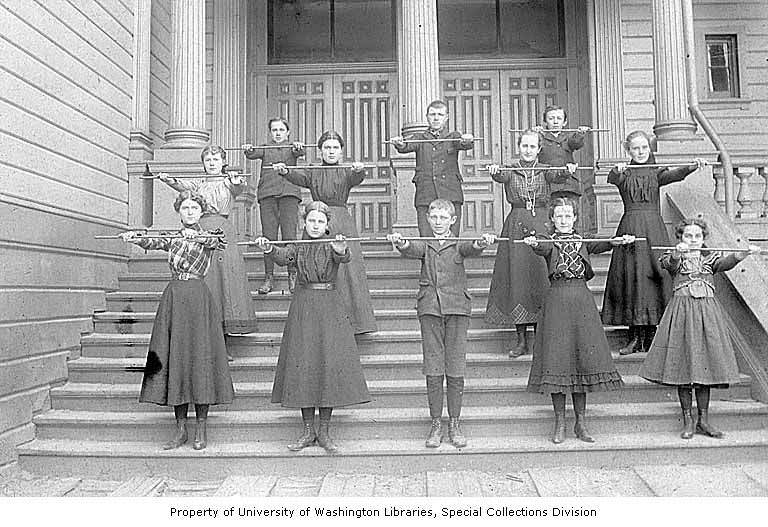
(187, 276)
(334, 203)
(322, 286)
(641, 206)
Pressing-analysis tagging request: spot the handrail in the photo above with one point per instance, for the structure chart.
(698, 114)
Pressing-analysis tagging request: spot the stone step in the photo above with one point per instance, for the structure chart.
(395, 279)
(147, 301)
(280, 300)
(70, 457)
(393, 423)
(376, 367)
(384, 394)
(488, 340)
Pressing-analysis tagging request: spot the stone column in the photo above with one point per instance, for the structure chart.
(604, 25)
(229, 49)
(673, 120)
(417, 60)
(419, 84)
(140, 192)
(230, 18)
(187, 99)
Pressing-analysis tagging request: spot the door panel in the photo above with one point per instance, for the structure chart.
(360, 108)
(306, 102)
(525, 94)
(363, 105)
(473, 106)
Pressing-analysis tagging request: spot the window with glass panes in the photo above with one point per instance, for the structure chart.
(722, 66)
(331, 31)
(532, 28)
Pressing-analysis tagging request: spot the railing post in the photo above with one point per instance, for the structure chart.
(719, 195)
(744, 198)
(764, 211)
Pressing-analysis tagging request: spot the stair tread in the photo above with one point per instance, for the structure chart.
(112, 363)
(382, 415)
(398, 447)
(375, 386)
(272, 337)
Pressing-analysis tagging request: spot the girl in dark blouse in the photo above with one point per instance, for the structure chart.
(319, 364)
(637, 288)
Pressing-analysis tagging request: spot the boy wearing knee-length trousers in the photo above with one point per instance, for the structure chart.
(443, 308)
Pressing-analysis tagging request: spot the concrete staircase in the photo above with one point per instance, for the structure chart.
(97, 428)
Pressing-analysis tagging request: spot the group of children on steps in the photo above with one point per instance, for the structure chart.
(538, 282)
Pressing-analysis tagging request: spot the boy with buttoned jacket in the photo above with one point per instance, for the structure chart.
(443, 306)
(437, 165)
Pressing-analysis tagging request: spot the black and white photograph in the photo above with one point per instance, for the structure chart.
(339, 260)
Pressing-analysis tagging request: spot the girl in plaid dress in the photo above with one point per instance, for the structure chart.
(187, 359)
(572, 354)
(517, 301)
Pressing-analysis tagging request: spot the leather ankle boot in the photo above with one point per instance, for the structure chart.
(633, 346)
(435, 436)
(580, 429)
(292, 280)
(558, 433)
(201, 435)
(324, 438)
(307, 438)
(704, 428)
(267, 286)
(687, 432)
(180, 437)
(455, 435)
(519, 348)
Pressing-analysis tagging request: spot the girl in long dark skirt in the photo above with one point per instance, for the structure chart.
(637, 288)
(187, 359)
(519, 283)
(332, 186)
(226, 277)
(571, 353)
(692, 348)
(319, 364)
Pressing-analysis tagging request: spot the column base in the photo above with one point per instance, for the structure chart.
(185, 138)
(675, 130)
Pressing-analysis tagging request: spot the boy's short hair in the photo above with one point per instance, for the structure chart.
(552, 108)
(438, 104)
(680, 227)
(277, 120)
(442, 204)
(563, 201)
(189, 194)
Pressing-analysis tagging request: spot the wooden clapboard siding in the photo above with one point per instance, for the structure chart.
(160, 71)
(743, 125)
(65, 95)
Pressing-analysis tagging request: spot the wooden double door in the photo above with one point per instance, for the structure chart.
(362, 107)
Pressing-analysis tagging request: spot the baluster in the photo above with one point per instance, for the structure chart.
(719, 176)
(764, 175)
(744, 198)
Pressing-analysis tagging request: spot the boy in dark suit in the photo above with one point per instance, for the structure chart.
(443, 307)
(437, 165)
